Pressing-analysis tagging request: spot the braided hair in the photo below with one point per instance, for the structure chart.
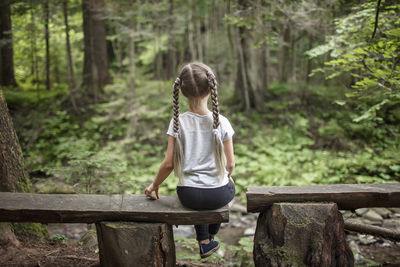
(178, 151)
(197, 80)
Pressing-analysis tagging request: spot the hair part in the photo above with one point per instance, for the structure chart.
(197, 80)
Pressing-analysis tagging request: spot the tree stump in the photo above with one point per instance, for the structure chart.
(301, 234)
(135, 244)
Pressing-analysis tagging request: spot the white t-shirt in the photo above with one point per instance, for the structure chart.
(196, 133)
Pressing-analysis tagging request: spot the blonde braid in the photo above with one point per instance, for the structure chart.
(178, 151)
(219, 154)
(176, 104)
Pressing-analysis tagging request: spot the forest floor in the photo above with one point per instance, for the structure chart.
(75, 245)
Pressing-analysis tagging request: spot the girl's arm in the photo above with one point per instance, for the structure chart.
(230, 157)
(164, 171)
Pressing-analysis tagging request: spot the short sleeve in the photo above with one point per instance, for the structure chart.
(170, 130)
(227, 130)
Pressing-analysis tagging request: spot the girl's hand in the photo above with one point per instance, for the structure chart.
(150, 189)
(230, 177)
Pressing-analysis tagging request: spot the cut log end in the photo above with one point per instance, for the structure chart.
(130, 243)
(290, 234)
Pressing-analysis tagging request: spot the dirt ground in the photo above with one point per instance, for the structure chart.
(32, 253)
(47, 254)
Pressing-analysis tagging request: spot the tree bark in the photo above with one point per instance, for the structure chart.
(191, 32)
(265, 66)
(171, 56)
(244, 89)
(13, 177)
(309, 60)
(232, 53)
(95, 71)
(136, 244)
(133, 117)
(47, 38)
(7, 76)
(70, 64)
(286, 63)
(353, 225)
(301, 234)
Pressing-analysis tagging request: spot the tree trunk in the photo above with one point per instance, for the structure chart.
(191, 32)
(70, 64)
(13, 177)
(47, 36)
(233, 58)
(244, 89)
(171, 56)
(133, 117)
(301, 234)
(7, 76)
(309, 60)
(34, 67)
(135, 244)
(285, 60)
(199, 37)
(95, 71)
(265, 66)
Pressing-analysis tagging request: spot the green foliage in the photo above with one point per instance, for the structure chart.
(242, 253)
(294, 143)
(35, 230)
(373, 63)
(236, 255)
(59, 238)
(29, 42)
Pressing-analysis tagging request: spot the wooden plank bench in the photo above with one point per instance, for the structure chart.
(130, 228)
(302, 225)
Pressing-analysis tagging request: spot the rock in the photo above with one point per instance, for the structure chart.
(89, 239)
(373, 216)
(297, 234)
(7, 237)
(395, 210)
(361, 211)
(358, 259)
(383, 212)
(366, 239)
(221, 253)
(249, 231)
(346, 214)
(183, 231)
(237, 207)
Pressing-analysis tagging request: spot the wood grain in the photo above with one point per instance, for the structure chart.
(347, 196)
(71, 208)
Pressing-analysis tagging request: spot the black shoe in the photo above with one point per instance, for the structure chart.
(207, 249)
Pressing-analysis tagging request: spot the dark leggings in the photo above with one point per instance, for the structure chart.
(206, 199)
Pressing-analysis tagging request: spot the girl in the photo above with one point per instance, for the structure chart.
(200, 151)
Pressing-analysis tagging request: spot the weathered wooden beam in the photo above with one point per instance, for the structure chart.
(347, 196)
(71, 208)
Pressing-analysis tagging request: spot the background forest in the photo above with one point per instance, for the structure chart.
(311, 88)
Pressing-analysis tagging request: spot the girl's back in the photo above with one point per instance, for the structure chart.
(196, 133)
